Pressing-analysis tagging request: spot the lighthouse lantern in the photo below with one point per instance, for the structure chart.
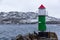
(42, 10)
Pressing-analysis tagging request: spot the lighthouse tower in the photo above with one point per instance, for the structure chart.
(41, 18)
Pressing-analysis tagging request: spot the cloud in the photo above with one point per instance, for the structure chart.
(52, 6)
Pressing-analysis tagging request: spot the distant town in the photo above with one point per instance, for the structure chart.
(15, 17)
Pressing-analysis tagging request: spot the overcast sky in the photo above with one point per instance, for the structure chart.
(52, 6)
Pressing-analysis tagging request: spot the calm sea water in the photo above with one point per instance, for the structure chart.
(9, 31)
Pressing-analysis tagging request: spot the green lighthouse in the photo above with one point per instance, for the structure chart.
(41, 18)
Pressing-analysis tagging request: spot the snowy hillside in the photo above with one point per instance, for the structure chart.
(15, 17)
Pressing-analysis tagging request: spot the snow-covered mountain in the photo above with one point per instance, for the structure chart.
(22, 17)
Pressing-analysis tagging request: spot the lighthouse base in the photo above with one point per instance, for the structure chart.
(48, 35)
(43, 34)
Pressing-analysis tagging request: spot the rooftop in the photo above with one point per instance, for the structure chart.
(41, 7)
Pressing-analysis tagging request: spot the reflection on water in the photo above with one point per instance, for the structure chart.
(8, 32)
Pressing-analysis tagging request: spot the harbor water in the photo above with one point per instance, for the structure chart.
(10, 31)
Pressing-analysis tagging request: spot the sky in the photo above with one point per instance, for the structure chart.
(52, 6)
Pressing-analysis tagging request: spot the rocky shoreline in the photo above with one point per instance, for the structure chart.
(34, 36)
